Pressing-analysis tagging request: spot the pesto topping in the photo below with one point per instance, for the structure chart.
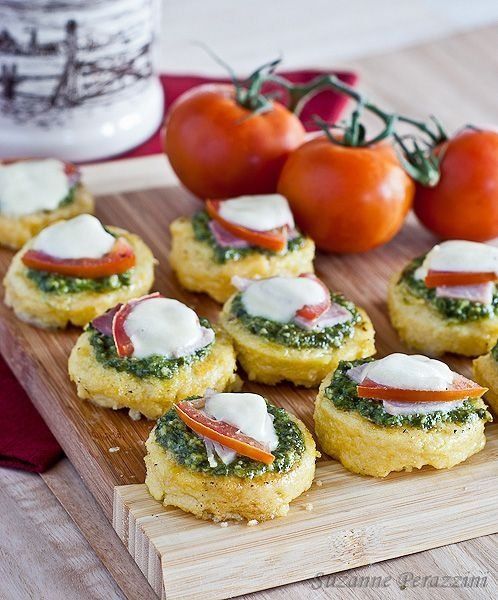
(293, 336)
(494, 352)
(342, 392)
(453, 309)
(53, 283)
(70, 196)
(153, 366)
(223, 254)
(189, 449)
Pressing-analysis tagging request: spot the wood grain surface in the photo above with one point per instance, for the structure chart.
(39, 359)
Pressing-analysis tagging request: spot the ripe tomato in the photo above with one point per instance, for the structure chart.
(219, 149)
(348, 199)
(464, 204)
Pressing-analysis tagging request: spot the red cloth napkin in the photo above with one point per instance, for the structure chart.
(25, 441)
(328, 105)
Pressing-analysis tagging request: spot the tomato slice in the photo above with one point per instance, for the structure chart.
(124, 346)
(460, 388)
(223, 433)
(275, 239)
(120, 259)
(436, 278)
(311, 312)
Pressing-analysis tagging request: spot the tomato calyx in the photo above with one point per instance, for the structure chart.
(121, 258)
(191, 413)
(453, 278)
(460, 389)
(274, 239)
(124, 345)
(311, 312)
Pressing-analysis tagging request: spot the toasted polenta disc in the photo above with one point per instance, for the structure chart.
(485, 370)
(369, 449)
(224, 498)
(268, 362)
(50, 310)
(151, 396)
(16, 231)
(197, 270)
(423, 328)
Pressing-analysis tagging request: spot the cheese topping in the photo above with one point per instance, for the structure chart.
(165, 327)
(259, 213)
(459, 256)
(245, 411)
(278, 298)
(403, 372)
(30, 186)
(81, 237)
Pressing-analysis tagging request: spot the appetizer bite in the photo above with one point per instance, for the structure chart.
(75, 270)
(399, 413)
(249, 236)
(149, 353)
(294, 329)
(447, 301)
(229, 456)
(486, 373)
(36, 193)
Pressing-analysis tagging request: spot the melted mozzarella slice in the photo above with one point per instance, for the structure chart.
(460, 256)
(259, 213)
(245, 411)
(81, 237)
(278, 298)
(406, 372)
(165, 327)
(30, 186)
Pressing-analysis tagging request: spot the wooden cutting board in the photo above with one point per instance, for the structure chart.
(343, 522)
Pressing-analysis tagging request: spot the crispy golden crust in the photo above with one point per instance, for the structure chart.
(150, 396)
(369, 449)
(486, 373)
(58, 310)
(422, 328)
(15, 232)
(268, 362)
(197, 271)
(227, 498)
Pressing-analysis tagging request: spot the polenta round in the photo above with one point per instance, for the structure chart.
(208, 493)
(16, 231)
(368, 448)
(422, 327)
(270, 362)
(57, 310)
(485, 370)
(151, 396)
(197, 269)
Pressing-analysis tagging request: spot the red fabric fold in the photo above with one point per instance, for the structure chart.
(25, 441)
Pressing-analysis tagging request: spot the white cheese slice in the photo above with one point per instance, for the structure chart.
(259, 213)
(165, 327)
(30, 186)
(245, 411)
(407, 372)
(81, 237)
(278, 298)
(458, 256)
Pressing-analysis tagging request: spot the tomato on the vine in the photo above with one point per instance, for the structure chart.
(347, 198)
(219, 148)
(464, 204)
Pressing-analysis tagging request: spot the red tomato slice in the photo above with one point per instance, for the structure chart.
(460, 388)
(124, 346)
(311, 312)
(436, 278)
(275, 239)
(221, 432)
(120, 259)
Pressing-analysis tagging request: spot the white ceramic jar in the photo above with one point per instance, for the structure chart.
(77, 77)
